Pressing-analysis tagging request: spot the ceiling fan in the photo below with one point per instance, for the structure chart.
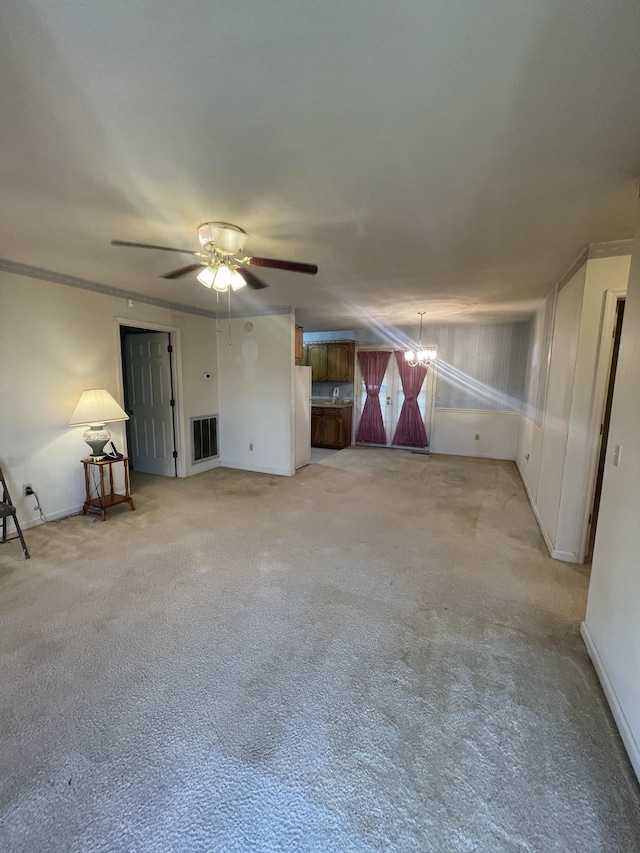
(223, 266)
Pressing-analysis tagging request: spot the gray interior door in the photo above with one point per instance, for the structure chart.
(149, 398)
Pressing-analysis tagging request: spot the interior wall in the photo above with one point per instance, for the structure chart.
(256, 376)
(558, 401)
(612, 626)
(559, 428)
(56, 341)
(480, 367)
(603, 275)
(455, 432)
(529, 447)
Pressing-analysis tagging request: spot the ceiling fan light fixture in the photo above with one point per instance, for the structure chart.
(226, 238)
(206, 276)
(221, 259)
(237, 281)
(220, 277)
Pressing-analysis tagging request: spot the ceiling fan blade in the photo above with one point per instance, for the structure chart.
(292, 266)
(252, 280)
(183, 271)
(151, 246)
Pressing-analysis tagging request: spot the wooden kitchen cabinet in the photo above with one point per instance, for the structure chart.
(331, 434)
(340, 360)
(316, 427)
(331, 362)
(331, 427)
(317, 360)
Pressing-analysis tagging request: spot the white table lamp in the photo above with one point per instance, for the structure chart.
(96, 407)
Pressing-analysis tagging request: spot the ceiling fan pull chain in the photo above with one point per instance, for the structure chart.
(229, 294)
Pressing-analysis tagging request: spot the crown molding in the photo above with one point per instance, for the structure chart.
(579, 262)
(612, 249)
(71, 281)
(256, 311)
(82, 283)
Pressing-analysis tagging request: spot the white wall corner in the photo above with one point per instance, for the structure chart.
(626, 734)
(292, 397)
(603, 287)
(201, 467)
(278, 472)
(545, 535)
(566, 556)
(256, 386)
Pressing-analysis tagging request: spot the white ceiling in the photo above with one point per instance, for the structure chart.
(453, 156)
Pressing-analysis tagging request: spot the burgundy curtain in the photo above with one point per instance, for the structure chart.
(410, 431)
(373, 365)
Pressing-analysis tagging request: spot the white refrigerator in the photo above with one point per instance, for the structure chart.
(302, 430)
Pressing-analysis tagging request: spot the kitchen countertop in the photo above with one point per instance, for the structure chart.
(327, 402)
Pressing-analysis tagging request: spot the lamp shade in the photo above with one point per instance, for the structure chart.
(97, 406)
(206, 276)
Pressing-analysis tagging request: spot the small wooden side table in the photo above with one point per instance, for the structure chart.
(106, 499)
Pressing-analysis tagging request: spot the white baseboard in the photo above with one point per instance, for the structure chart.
(200, 467)
(626, 734)
(238, 467)
(53, 516)
(545, 535)
(497, 456)
(565, 556)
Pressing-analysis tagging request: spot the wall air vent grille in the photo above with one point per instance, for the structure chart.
(204, 438)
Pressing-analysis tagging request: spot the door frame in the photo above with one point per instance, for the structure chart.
(598, 401)
(175, 357)
(430, 406)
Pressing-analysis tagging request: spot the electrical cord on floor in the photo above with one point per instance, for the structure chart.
(43, 517)
(97, 494)
(96, 487)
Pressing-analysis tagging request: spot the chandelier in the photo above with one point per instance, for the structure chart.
(420, 357)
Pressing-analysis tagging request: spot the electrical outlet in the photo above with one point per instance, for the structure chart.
(476, 437)
(251, 446)
(27, 490)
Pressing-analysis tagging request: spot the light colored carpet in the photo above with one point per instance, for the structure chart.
(375, 655)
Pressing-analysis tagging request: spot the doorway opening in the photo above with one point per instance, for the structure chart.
(149, 399)
(604, 429)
